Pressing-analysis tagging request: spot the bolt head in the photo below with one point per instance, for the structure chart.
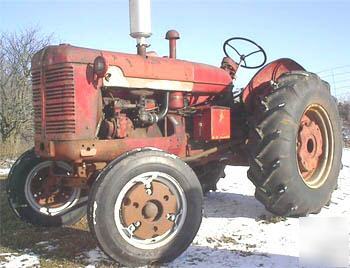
(149, 191)
(170, 217)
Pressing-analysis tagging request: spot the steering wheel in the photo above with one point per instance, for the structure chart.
(242, 57)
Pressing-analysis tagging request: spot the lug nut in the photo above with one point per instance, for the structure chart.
(149, 191)
(170, 217)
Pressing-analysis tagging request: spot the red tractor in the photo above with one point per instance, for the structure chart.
(135, 140)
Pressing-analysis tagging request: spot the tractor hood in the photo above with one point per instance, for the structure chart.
(135, 71)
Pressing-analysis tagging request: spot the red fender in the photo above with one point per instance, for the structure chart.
(259, 86)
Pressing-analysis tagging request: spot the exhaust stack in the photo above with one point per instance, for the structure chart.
(140, 23)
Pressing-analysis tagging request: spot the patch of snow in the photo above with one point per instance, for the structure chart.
(20, 260)
(94, 256)
(4, 171)
(5, 166)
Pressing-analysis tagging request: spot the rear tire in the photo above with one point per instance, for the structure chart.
(23, 203)
(295, 168)
(128, 210)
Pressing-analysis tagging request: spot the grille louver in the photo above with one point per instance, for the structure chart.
(36, 101)
(59, 100)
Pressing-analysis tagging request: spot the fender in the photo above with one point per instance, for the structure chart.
(260, 85)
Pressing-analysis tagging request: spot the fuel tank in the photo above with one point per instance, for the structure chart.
(134, 71)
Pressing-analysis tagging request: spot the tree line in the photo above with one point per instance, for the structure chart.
(16, 108)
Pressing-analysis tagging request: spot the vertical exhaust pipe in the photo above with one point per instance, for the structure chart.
(140, 23)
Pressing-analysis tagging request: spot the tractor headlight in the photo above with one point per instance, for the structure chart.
(100, 66)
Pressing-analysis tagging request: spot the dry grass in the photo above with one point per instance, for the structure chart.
(10, 151)
(67, 244)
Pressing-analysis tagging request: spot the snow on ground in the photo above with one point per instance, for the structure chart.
(13, 260)
(4, 171)
(94, 257)
(237, 231)
(231, 234)
(5, 166)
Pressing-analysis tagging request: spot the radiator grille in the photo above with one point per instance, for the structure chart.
(36, 101)
(59, 103)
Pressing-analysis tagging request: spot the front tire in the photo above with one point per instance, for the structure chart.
(295, 146)
(27, 177)
(145, 208)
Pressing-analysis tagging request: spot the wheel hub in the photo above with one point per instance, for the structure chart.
(44, 190)
(48, 192)
(148, 209)
(309, 146)
(151, 210)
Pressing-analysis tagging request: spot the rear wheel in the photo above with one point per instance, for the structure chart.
(146, 208)
(295, 146)
(37, 196)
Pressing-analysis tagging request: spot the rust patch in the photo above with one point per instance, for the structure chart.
(310, 146)
(149, 210)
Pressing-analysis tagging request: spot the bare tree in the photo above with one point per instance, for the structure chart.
(16, 109)
(344, 111)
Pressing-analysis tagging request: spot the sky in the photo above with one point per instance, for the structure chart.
(314, 33)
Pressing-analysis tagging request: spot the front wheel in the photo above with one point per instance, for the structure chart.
(37, 197)
(146, 208)
(295, 146)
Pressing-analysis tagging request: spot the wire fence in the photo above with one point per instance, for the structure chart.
(339, 79)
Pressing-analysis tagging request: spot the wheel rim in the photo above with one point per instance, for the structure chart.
(150, 210)
(44, 192)
(315, 145)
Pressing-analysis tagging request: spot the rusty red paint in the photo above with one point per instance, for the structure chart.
(75, 109)
(63, 97)
(310, 146)
(107, 150)
(172, 36)
(206, 78)
(176, 100)
(212, 123)
(260, 85)
(204, 75)
(91, 150)
(74, 105)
